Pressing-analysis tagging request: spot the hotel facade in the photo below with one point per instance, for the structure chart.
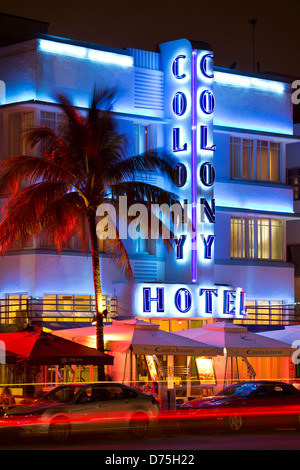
(229, 132)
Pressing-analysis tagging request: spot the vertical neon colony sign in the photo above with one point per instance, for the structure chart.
(194, 147)
(190, 105)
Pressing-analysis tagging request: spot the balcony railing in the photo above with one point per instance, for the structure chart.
(20, 311)
(281, 314)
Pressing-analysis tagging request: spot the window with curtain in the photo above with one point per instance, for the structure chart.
(242, 237)
(259, 238)
(19, 124)
(263, 238)
(255, 159)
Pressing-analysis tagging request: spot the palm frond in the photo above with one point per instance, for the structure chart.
(141, 192)
(118, 254)
(63, 218)
(45, 139)
(149, 162)
(102, 99)
(32, 169)
(22, 213)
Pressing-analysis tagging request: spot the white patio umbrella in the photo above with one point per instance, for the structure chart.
(235, 341)
(288, 334)
(140, 337)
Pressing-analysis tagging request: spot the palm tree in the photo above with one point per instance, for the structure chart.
(81, 166)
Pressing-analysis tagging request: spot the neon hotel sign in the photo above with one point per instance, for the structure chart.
(190, 104)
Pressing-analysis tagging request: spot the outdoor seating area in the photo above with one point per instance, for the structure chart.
(193, 363)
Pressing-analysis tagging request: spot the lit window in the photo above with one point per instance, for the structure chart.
(264, 312)
(242, 237)
(49, 302)
(255, 159)
(263, 239)
(65, 302)
(19, 124)
(82, 302)
(68, 302)
(256, 238)
(14, 308)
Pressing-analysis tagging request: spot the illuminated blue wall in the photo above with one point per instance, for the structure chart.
(249, 102)
(45, 67)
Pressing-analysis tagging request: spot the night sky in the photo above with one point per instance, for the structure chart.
(143, 25)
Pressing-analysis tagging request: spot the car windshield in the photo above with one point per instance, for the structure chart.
(245, 390)
(62, 394)
(228, 391)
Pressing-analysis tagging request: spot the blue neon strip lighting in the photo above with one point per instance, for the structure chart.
(194, 167)
(249, 82)
(85, 53)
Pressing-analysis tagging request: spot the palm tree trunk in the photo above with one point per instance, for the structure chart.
(91, 216)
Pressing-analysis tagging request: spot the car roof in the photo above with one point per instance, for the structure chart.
(260, 382)
(89, 384)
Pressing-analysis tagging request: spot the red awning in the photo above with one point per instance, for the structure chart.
(41, 348)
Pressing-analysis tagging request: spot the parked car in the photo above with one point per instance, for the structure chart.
(256, 403)
(93, 407)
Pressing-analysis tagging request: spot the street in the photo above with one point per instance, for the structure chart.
(114, 446)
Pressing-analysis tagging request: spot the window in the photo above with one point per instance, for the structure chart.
(143, 141)
(116, 392)
(263, 241)
(140, 139)
(19, 124)
(274, 161)
(264, 312)
(255, 159)
(83, 302)
(68, 302)
(97, 393)
(262, 160)
(65, 302)
(141, 244)
(276, 235)
(272, 391)
(293, 179)
(63, 394)
(242, 237)
(51, 120)
(14, 308)
(256, 238)
(293, 256)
